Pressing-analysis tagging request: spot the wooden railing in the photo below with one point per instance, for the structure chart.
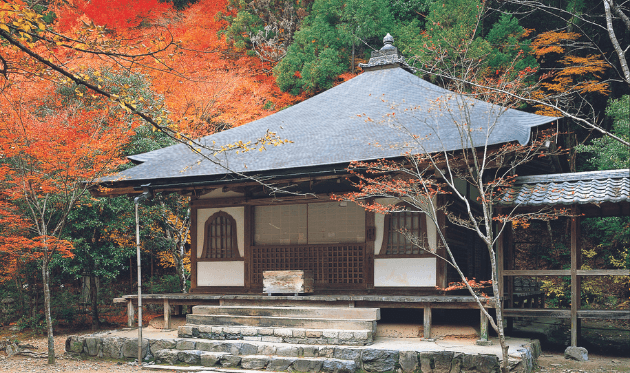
(333, 265)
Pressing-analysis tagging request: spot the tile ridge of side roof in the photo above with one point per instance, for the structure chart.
(574, 176)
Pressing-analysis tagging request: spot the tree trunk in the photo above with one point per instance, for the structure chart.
(94, 296)
(49, 326)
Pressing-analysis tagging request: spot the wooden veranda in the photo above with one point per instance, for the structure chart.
(426, 303)
(586, 194)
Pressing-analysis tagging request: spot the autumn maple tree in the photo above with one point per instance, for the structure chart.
(51, 153)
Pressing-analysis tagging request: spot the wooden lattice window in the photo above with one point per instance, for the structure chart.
(220, 237)
(413, 224)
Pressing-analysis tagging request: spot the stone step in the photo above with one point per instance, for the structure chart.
(280, 322)
(278, 335)
(254, 362)
(330, 313)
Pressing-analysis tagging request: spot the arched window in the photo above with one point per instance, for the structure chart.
(220, 237)
(413, 224)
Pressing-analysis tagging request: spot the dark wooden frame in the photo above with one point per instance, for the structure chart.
(206, 241)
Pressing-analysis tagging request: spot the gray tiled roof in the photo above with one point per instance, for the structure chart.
(570, 188)
(369, 117)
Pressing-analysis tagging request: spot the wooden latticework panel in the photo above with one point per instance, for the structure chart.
(333, 266)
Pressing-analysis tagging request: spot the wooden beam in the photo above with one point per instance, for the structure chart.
(536, 272)
(566, 314)
(603, 272)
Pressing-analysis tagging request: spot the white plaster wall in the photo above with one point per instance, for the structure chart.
(403, 272)
(379, 221)
(221, 273)
(238, 213)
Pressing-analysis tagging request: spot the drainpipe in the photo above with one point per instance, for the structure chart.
(145, 194)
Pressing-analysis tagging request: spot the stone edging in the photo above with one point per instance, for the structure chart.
(326, 357)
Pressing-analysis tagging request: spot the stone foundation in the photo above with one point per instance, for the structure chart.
(302, 358)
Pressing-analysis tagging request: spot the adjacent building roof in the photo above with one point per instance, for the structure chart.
(385, 112)
(581, 188)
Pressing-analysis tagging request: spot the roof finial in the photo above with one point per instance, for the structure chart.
(388, 56)
(388, 39)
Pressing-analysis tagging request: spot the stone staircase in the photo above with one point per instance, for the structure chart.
(296, 325)
(260, 355)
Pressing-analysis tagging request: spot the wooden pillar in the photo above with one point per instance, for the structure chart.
(483, 330)
(193, 246)
(130, 314)
(427, 323)
(576, 264)
(167, 314)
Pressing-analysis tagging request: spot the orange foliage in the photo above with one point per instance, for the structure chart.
(50, 150)
(576, 75)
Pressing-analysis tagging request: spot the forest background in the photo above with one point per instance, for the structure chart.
(97, 81)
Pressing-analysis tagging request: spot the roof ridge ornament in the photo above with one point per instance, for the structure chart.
(387, 57)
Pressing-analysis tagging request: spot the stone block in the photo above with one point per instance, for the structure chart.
(330, 334)
(161, 344)
(272, 339)
(266, 350)
(216, 329)
(205, 345)
(192, 357)
(265, 331)
(254, 362)
(362, 335)
(481, 363)
(130, 347)
(112, 348)
(280, 364)
(314, 333)
(185, 331)
(408, 361)
(210, 359)
(249, 331)
(231, 330)
(379, 360)
(427, 362)
(74, 344)
(307, 365)
(283, 332)
(576, 353)
(94, 346)
(168, 357)
(184, 344)
(230, 361)
(310, 351)
(205, 329)
(443, 361)
(299, 333)
(248, 349)
(253, 339)
(339, 366)
(291, 351)
(344, 353)
(326, 351)
(346, 336)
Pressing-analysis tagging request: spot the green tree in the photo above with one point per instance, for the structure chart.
(608, 153)
(323, 48)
